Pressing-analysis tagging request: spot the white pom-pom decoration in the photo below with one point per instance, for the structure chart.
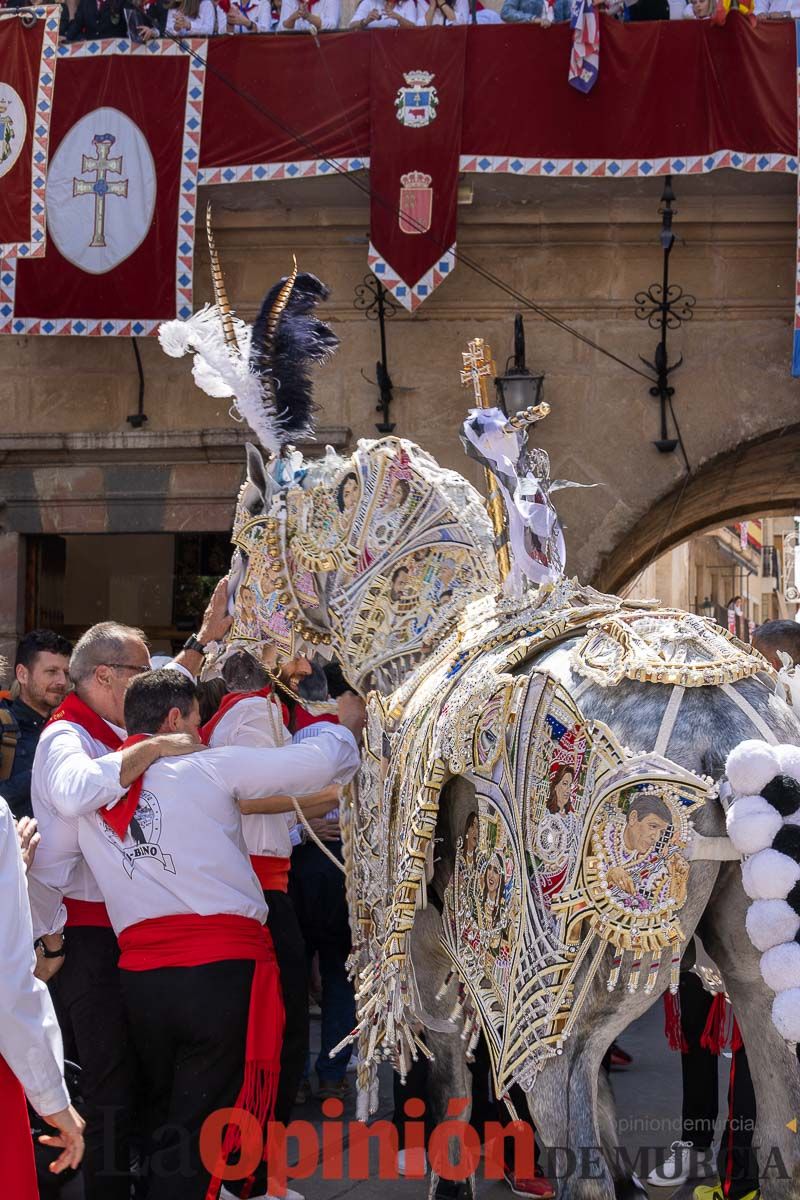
(750, 767)
(752, 824)
(770, 922)
(786, 1014)
(780, 967)
(789, 759)
(770, 875)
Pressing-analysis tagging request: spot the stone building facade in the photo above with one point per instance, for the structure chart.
(102, 517)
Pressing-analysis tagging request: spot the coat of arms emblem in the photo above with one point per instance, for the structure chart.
(416, 202)
(416, 103)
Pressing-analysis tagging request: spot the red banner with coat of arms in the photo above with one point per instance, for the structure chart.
(27, 68)
(417, 94)
(120, 199)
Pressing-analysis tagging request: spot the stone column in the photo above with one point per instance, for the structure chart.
(12, 580)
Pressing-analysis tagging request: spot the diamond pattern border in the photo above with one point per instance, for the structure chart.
(40, 144)
(184, 259)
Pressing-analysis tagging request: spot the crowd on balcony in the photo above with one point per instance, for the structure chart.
(144, 20)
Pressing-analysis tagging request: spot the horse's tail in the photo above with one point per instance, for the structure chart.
(764, 826)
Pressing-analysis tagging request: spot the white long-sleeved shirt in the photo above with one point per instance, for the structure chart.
(73, 773)
(460, 9)
(184, 851)
(203, 25)
(253, 12)
(406, 8)
(257, 721)
(265, 21)
(30, 1040)
(327, 10)
(792, 7)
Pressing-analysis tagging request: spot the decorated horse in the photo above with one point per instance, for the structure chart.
(538, 826)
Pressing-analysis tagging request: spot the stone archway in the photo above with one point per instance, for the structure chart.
(760, 477)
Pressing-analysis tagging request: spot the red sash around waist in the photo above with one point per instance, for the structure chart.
(86, 912)
(16, 1145)
(190, 941)
(272, 872)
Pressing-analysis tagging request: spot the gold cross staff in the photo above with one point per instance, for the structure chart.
(99, 187)
(478, 370)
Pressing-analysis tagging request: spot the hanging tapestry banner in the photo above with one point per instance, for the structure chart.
(27, 60)
(120, 200)
(417, 94)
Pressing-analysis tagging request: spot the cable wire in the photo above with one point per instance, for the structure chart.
(365, 189)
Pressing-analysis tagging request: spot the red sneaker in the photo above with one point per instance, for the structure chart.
(540, 1187)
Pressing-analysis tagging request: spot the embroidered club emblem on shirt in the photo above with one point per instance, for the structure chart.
(416, 202)
(141, 842)
(416, 103)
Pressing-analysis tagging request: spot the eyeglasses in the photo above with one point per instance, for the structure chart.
(135, 667)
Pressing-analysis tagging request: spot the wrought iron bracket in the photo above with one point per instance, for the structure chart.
(373, 299)
(665, 306)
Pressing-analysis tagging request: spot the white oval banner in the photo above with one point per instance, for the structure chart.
(101, 191)
(13, 127)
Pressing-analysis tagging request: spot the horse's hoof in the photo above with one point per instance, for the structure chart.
(631, 1188)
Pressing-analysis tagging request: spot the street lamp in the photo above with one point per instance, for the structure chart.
(519, 388)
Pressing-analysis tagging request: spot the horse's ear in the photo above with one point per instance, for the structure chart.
(253, 495)
(256, 473)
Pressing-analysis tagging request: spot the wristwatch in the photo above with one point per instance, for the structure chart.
(52, 953)
(193, 643)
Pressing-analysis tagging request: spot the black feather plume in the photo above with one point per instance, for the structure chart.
(282, 354)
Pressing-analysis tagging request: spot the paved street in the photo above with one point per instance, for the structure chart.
(648, 1101)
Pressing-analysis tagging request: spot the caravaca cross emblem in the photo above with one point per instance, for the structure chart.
(100, 187)
(416, 103)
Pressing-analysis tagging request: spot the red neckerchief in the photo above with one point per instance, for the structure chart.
(120, 816)
(227, 704)
(301, 718)
(74, 709)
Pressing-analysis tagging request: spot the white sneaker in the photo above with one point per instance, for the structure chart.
(412, 1160)
(675, 1168)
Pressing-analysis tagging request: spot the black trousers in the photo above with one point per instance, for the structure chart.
(317, 889)
(89, 997)
(189, 1027)
(736, 1162)
(290, 952)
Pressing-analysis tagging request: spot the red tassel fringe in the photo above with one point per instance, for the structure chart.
(672, 1023)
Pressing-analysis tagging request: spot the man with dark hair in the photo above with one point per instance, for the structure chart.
(775, 636)
(251, 714)
(41, 675)
(197, 965)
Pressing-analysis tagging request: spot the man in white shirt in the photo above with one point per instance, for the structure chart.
(387, 14)
(778, 8)
(77, 768)
(253, 715)
(189, 911)
(31, 1053)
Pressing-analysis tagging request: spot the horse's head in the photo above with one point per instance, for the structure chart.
(369, 558)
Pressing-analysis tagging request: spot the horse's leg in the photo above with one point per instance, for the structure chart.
(773, 1065)
(449, 1079)
(563, 1108)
